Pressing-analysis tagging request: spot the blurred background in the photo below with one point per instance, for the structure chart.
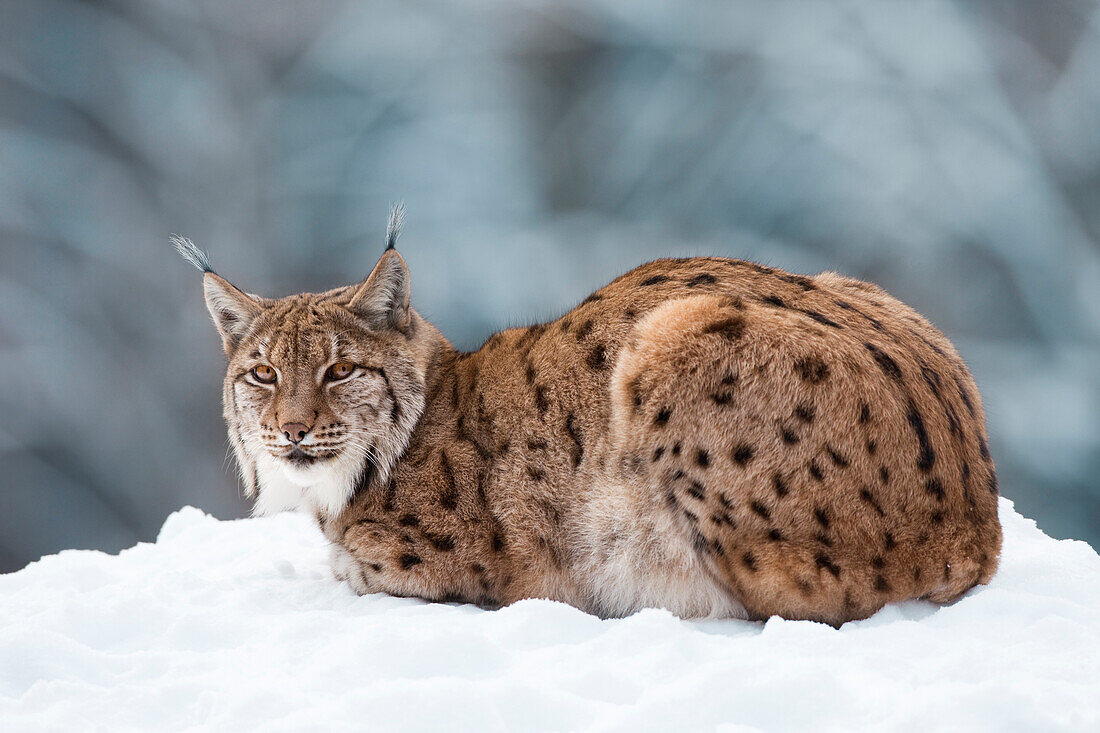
(949, 151)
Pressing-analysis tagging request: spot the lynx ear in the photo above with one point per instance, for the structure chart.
(383, 298)
(232, 309)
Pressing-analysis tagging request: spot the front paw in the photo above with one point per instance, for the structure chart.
(346, 567)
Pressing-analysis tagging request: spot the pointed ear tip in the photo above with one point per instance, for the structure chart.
(392, 255)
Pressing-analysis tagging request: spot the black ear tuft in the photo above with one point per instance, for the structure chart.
(191, 253)
(393, 228)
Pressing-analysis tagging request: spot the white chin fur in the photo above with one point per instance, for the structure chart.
(323, 488)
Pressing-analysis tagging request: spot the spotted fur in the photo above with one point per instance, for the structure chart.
(707, 435)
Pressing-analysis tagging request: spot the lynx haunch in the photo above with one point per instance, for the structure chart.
(706, 435)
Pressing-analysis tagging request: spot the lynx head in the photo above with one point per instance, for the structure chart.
(322, 391)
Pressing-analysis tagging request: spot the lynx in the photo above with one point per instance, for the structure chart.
(706, 435)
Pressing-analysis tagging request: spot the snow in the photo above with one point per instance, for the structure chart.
(240, 625)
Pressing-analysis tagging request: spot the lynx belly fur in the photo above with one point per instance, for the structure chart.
(705, 435)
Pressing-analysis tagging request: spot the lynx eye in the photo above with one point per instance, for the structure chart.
(339, 370)
(263, 374)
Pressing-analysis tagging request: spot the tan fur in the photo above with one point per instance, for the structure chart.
(708, 435)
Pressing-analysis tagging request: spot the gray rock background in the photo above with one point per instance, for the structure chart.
(949, 151)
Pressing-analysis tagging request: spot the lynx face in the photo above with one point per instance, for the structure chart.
(321, 390)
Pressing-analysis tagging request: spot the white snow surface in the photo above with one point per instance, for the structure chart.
(239, 625)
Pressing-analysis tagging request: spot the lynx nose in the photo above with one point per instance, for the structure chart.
(295, 431)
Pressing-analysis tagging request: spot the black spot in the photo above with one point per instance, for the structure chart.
(885, 362)
(749, 560)
(879, 563)
(937, 517)
(591, 299)
(536, 445)
(864, 413)
(812, 369)
(536, 474)
(655, 280)
(824, 562)
(448, 499)
(839, 460)
(875, 323)
(952, 419)
(731, 328)
(663, 416)
(703, 279)
(657, 453)
(630, 314)
(408, 560)
(530, 374)
(702, 458)
(805, 412)
(931, 378)
(443, 544)
(822, 517)
(965, 394)
(881, 585)
(869, 498)
(375, 567)
(409, 520)
(983, 447)
(820, 318)
(820, 537)
(780, 486)
(542, 403)
(991, 482)
(578, 444)
(802, 281)
(722, 398)
(742, 454)
(916, 573)
(774, 300)
(496, 542)
(815, 471)
(884, 474)
(775, 535)
(597, 358)
(584, 329)
(760, 509)
(927, 457)
(729, 379)
(872, 446)
(946, 571)
(566, 323)
(531, 336)
(696, 491)
(891, 543)
(788, 436)
(935, 488)
(676, 449)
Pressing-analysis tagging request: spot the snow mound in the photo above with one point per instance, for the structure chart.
(240, 625)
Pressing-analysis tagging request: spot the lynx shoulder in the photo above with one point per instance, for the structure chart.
(706, 435)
